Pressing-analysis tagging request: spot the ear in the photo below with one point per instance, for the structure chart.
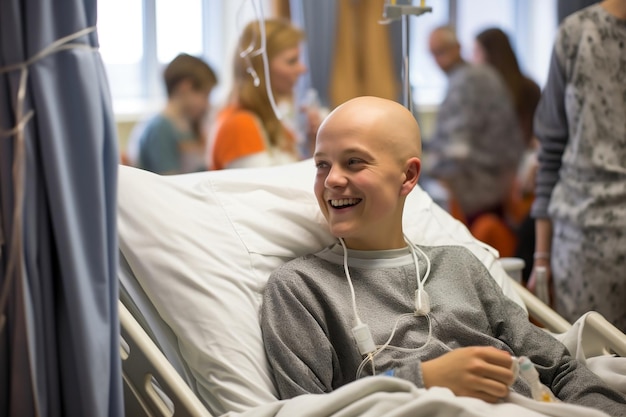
(412, 171)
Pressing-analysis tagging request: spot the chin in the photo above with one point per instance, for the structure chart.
(342, 232)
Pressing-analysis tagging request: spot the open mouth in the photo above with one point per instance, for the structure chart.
(344, 202)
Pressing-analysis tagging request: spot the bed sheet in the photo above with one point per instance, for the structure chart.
(393, 397)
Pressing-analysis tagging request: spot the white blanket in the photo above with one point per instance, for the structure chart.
(393, 397)
(587, 347)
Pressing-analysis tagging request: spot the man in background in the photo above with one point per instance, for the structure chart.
(477, 144)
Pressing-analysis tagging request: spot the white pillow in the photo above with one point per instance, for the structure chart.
(203, 245)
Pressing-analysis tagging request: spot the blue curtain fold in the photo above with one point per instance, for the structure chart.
(59, 347)
(318, 19)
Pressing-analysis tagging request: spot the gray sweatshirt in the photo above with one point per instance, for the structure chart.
(307, 317)
(477, 144)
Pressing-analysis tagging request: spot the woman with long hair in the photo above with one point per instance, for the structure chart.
(248, 132)
(492, 47)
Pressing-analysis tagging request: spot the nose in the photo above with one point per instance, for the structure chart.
(335, 178)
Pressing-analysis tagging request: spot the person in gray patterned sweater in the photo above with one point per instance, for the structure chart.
(580, 203)
(477, 143)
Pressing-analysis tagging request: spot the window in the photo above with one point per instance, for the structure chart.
(179, 26)
(138, 37)
(121, 45)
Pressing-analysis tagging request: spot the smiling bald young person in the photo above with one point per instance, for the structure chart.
(367, 156)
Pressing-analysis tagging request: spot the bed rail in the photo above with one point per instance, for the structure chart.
(599, 336)
(152, 387)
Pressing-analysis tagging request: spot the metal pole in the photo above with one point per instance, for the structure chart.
(406, 90)
(402, 10)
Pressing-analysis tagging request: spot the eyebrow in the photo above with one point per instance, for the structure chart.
(346, 152)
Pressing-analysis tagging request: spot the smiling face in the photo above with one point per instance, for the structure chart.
(367, 158)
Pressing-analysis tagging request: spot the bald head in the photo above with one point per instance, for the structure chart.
(445, 47)
(367, 155)
(444, 35)
(386, 125)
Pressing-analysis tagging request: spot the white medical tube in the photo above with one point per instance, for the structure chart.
(360, 331)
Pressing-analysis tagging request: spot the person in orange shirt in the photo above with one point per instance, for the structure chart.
(247, 132)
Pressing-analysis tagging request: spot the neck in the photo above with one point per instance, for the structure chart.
(454, 66)
(174, 111)
(371, 244)
(615, 7)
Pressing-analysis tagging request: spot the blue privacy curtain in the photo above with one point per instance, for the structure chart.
(59, 331)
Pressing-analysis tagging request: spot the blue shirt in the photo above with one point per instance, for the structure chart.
(159, 146)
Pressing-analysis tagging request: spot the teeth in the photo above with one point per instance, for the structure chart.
(344, 202)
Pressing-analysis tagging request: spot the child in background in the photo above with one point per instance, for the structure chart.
(173, 141)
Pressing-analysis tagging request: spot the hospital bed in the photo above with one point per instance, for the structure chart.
(195, 251)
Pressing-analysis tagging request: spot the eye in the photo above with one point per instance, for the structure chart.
(321, 164)
(355, 161)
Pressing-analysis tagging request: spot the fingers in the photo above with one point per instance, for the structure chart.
(480, 372)
(483, 387)
(489, 390)
(494, 364)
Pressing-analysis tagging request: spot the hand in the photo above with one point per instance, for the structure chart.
(527, 182)
(532, 280)
(479, 372)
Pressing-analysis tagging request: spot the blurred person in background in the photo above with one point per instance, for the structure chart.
(477, 144)
(173, 141)
(492, 47)
(565, 8)
(580, 195)
(247, 132)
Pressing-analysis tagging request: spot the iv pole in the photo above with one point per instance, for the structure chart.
(396, 9)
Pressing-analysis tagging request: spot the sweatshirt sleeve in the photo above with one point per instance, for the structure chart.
(551, 129)
(569, 380)
(297, 346)
(308, 341)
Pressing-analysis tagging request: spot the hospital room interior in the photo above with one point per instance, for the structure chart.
(193, 218)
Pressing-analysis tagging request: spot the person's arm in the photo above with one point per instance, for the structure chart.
(450, 144)
(309, 343)
(569, 380)
(552, 131)
(239, 135)
(298, 349)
